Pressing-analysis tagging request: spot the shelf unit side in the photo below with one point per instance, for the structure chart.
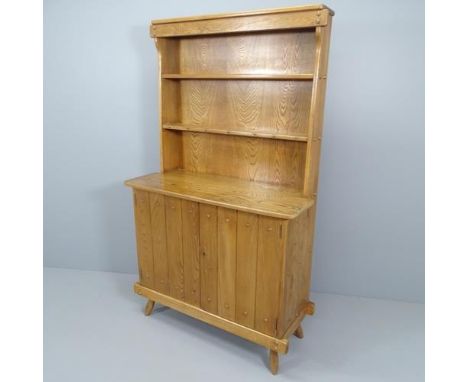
(315, 128)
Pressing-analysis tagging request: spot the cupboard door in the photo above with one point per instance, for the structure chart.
(143, 237)
(209, 258)
(269, 274)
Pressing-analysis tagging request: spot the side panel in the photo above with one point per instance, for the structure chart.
(143, 237)
(269, 273)
(297, 268)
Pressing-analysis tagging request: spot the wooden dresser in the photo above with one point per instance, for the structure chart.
(224, 233)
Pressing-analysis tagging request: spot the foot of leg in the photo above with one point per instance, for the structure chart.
(274, 362)
(299, 333)
(149, 307)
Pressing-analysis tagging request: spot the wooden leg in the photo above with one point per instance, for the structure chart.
(149, 307)
(299, 333)
(274, 362)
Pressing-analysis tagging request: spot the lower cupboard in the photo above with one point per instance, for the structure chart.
(250, 273)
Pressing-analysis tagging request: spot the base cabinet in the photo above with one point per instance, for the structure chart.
(249, 269)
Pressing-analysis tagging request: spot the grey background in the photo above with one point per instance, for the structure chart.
(100, 128)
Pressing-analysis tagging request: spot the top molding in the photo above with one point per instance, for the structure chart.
(308, 16)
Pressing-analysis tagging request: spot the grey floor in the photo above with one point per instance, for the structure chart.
(95, 330)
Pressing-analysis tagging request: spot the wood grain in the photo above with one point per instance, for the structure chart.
(296, 269)
(143, 237)
(248, 23)
(266, 53)
(278, 344)
(158, 233)
(309, 7)
(171, 142)
(224, 76)
(254, 197)
(225, 231)
(275, 162)
(227, 226)
(174, 247)
(322, 37)
(269, 274)
(257, 133)
(277, 107)
(191, 248)
(246, 273)
(209, 257)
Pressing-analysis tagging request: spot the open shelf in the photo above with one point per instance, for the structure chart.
(254, 197)
(257, 134)
(209, 76)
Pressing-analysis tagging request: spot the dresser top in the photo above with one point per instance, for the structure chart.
(243, 195)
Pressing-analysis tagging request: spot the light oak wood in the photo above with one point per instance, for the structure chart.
(299, 333)
(297, 268)
(279, 107)
(274, 362)
(225, 232)
(191, 247)
(246, 268)
(257, 160)
(245, 13)
(322, 37)
(209, 257)
(227, 250)
(294, 19)
(278, 77)
(175, 253)
(143, 237)
(265, 55)
(278, 344)
(257, 133)
(269, 274)
(253, 197)
(149, 307)
(158, 233)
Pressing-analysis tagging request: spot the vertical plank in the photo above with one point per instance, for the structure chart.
(158, 231)
(143, 237)
(269, 273)
(191, 248)
(174, 247)
(227, 226)
(246, 273)
(209, 258)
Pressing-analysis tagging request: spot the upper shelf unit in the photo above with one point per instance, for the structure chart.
(237, 94)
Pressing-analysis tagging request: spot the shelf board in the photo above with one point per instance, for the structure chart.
(254, 197)
(208, 76)
(255, 134)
